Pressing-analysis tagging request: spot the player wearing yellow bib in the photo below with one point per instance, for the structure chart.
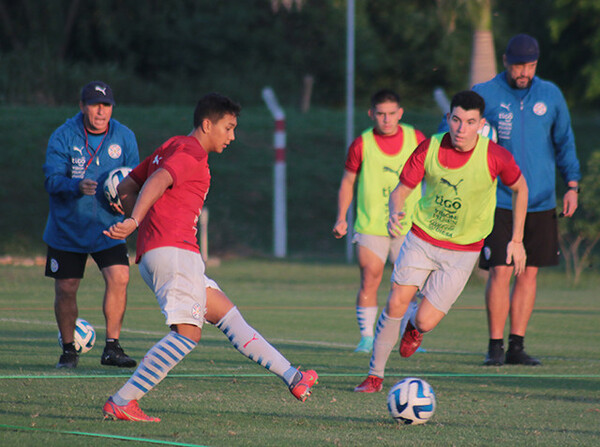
(374, 161)
(450, 222)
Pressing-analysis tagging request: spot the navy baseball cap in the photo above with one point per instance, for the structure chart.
(97, 92)
(522, 49)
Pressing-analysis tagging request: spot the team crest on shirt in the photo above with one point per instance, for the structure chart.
(114, 151)
(197, 311)
(540, 108)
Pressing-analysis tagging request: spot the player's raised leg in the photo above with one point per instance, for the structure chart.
(248, 341)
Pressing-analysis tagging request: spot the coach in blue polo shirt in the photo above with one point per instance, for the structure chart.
(79, 156)
(533, 123)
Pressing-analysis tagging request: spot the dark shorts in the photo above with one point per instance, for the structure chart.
(541, 239)
(69, 265)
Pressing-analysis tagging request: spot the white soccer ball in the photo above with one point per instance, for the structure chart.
(84, 336)
(411, 401)
(489, 131)
(112, 181)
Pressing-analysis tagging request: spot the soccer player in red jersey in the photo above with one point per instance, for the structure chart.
(373, 165)
(163, 197)
(451, 220)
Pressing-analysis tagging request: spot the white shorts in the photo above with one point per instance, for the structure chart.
(440, 274)
(211, 283)
(177, 278)
(385, 247)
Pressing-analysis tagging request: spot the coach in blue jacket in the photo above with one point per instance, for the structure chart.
(533, 123)
(79, 156)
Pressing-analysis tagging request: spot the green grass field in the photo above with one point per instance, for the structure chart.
(217, 397)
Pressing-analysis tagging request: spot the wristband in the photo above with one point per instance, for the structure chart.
(137, 225)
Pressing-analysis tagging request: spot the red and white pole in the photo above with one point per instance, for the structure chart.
(279, 175)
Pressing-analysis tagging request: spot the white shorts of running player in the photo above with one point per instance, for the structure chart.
(177, 278)
(439, 273)
(385, 247)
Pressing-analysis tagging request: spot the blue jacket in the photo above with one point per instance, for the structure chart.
(537, 131)
(75, 221)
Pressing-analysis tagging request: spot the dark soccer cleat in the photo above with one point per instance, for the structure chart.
(520, 357)
(302, 388)
(68, 359)
(129, 412)
(115, 356)
(411, 340)
(494, 356)
(372, 384)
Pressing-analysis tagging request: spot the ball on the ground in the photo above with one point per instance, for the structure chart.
(489, 131)
(112, 181)
(411, 401)
(84, 336)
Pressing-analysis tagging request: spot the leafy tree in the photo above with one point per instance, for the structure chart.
(574, 26)
(579, 235)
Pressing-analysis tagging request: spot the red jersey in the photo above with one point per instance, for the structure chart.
(389, 145)
(172, 220)
(501, 164)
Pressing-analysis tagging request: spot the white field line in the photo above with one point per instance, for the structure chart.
(205, 334)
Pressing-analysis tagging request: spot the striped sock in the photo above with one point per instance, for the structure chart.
(250, 343)
(154, 367)
(386, 336)
(366, 316)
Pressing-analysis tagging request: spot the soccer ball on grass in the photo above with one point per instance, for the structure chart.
(411, 401)
(84, 336)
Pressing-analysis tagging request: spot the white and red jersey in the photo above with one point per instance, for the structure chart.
(501, 164)
(389, 145)
(172, 220)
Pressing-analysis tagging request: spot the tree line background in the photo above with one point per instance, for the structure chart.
(160, 56)
(166, 52)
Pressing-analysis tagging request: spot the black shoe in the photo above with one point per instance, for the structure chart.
(115, 356)
(68, 359)
(518, 356)
(494, 356)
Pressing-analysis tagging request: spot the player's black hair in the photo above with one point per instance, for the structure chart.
(384, 95)
(468, 100)
(214, 106)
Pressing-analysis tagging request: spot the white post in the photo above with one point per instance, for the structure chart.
(350, 111)
(279, 175)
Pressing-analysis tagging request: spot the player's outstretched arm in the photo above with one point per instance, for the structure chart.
(154, 187)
